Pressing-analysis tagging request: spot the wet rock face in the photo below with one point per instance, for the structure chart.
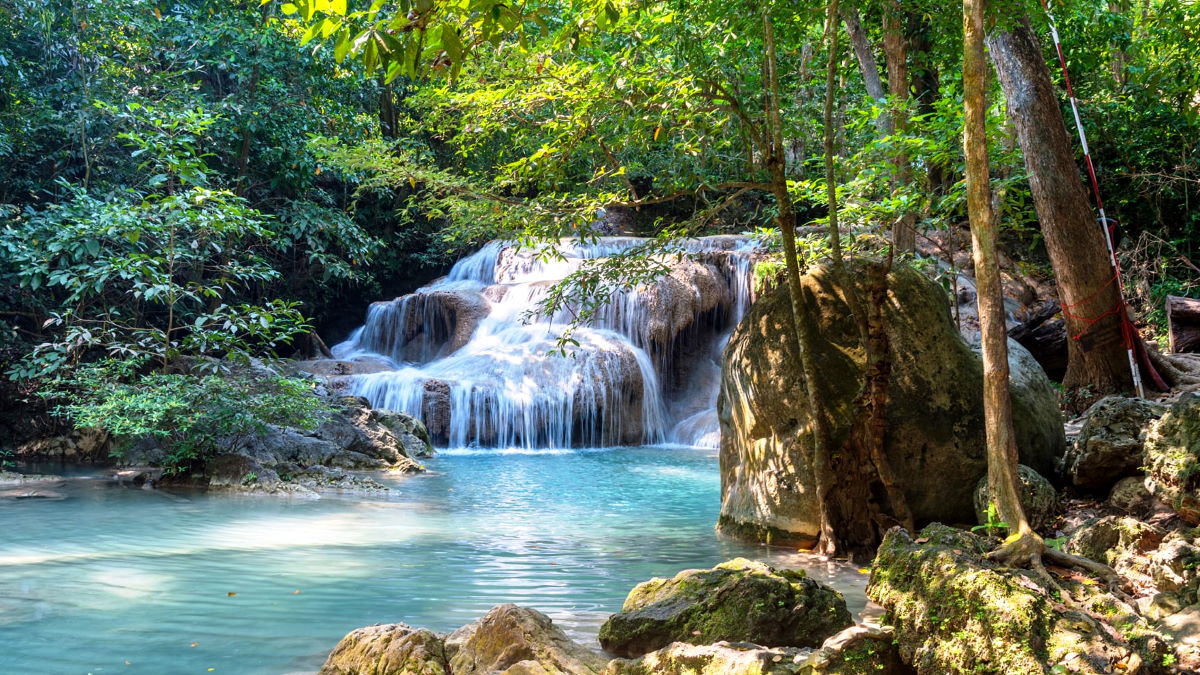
(954, 611)
(1038, 497)
(1172, 455)
(739, 601)
(935, 437)
(1109, 446)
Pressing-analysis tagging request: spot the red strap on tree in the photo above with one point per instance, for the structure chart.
(1134, 349)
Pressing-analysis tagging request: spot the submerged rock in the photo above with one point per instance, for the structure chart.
(1109, 445)
(1037, 496)
(388, 649)
(1172, 452)
(956, 612)
(739, 601)
(935, 434)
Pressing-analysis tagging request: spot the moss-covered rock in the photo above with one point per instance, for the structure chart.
(1037, 496)
(1112, 538)
(388, 649)
(858, 650)
(935, 440)
(1172, 452)
(956, 612)
(1109, 445)
(739, 601)
(511, 640)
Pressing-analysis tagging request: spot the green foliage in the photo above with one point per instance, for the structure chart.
(192, 416)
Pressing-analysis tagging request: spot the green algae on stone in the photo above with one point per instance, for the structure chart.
(956, 612)
(740, 600)
(1172, 454)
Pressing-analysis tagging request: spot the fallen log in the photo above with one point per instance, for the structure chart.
(1183, 324)
(1046, 340)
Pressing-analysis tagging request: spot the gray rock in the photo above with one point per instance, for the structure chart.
(1109, 445)
(1131, 496)
(1175, 568)
(1037, 496)
(935, 437)
(1112, 538)
(740, 601)
(1172, 452)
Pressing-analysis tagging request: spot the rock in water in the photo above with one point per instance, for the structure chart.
(956, 612)
(858, 650)
(1037, 497)
(1172, 452)
(740, 601)
(935, 437)
(513, 640)
(388, 649)
(1109, 446)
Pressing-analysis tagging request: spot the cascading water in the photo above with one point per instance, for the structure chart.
(471, 357)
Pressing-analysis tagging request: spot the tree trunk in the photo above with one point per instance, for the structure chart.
(1183, 324)
(997, 406)
(1087, 288)
(867, 64)
(895, 49)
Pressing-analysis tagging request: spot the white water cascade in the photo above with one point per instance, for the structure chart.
(470, 356)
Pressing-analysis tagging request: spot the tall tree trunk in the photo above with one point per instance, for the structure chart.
(997, 406)
(866, 64)
(895, 49)
(926, 89)
(1087, 288)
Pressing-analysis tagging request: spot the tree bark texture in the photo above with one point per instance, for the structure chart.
(997, 405)
(1086, 284)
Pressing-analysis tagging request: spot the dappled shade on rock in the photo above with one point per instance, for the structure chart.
(1109, 446)
(1172, 455)
(517, 641)
(1038, 498)
(935, 433)
(738, 600)
(956, 612)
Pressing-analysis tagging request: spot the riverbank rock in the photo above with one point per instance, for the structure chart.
(1172, 455)
(857, 650)
(388, 649)
(514, 640)
(1037, 496)
(508, 640)
(956, 612)
(75, 446)
(1109, 445)
(935, 434)
(739, 601)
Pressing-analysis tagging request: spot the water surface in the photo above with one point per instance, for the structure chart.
(194, 583)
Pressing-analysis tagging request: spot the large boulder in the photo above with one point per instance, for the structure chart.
(1112, 539)
(1172, 455)
(513, 640)
(954, 611)
(388, 649)
(739, 601)
(935, 433)
(1109, 445)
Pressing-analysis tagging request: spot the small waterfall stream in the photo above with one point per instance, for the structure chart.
(471, 357)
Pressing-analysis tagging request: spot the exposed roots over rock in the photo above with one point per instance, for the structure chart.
(1028, 550)
(1181, 371)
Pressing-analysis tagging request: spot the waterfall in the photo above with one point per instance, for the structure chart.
(470, 355)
